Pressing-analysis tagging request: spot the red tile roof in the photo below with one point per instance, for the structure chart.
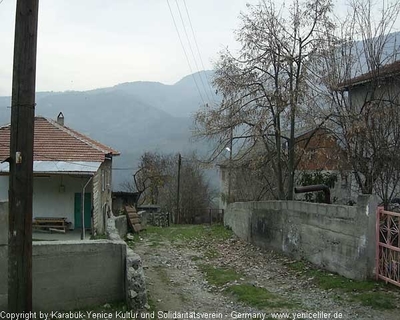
(386, 71)
(54, 142)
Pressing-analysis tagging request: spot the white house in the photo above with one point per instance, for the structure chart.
(66, 165)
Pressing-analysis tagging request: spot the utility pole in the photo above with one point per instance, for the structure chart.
(230, 165)
(178, 219)
(21, 154)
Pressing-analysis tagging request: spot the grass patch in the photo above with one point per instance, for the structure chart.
(107, 307)
(219, 276)
(365, 292)
(151, 304)
(131, 243)
(258, 297)
(188, 232)
(99, 237)
(376, 300)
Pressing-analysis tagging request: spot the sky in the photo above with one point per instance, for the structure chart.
(88, 44)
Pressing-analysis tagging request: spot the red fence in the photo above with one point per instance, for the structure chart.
(388, 246)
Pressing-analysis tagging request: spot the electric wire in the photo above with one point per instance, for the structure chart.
(191, 50)
(184, 51)
(198, 51)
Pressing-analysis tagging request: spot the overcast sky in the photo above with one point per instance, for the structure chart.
(87, 44)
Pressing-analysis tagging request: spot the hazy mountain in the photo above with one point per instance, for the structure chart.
(129, 117)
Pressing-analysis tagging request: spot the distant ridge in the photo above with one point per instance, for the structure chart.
(131, 117)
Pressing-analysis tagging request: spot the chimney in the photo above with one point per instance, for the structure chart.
(60, 119)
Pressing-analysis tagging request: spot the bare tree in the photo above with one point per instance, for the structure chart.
(156, 181)
(364, 93)
(266, 86)
(151, 176)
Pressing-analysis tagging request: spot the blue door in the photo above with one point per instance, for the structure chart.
(78, 210)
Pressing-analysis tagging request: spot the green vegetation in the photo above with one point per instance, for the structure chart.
(246, 293)
(219, 276)
(99, 236)
(151, 304)
(109, 307)
(131, 243)
(317, 177)
(188, 232)
(368, 293)
(376, 300)
(258, 297)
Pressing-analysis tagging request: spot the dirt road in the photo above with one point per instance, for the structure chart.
(208, 270)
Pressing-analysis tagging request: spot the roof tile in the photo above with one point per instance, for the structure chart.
(55, 142)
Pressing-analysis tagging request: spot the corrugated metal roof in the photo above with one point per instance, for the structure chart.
(60, 167)
(54, 142)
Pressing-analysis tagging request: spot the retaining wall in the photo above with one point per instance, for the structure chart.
(76, 274)
(68, 275)
(338, 238)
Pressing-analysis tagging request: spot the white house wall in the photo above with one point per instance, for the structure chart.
(50, 201)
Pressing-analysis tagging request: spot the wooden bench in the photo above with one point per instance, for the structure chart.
(51, 224)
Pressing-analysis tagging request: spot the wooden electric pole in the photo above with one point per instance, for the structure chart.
(21, 154)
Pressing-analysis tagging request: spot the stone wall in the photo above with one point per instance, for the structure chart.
(135, 285)
(338, 238)
(157, 219)
(121, 225)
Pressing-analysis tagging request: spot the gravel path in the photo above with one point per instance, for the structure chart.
(175, 282)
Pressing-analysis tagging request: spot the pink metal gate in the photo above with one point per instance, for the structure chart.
(388, 246)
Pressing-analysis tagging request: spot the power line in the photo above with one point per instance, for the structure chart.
(184, 51)
(198, 50)
(191, 50)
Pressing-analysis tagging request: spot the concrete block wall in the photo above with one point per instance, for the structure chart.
(77, 274)
(68, 275)
(338, 238)
(238, 217)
